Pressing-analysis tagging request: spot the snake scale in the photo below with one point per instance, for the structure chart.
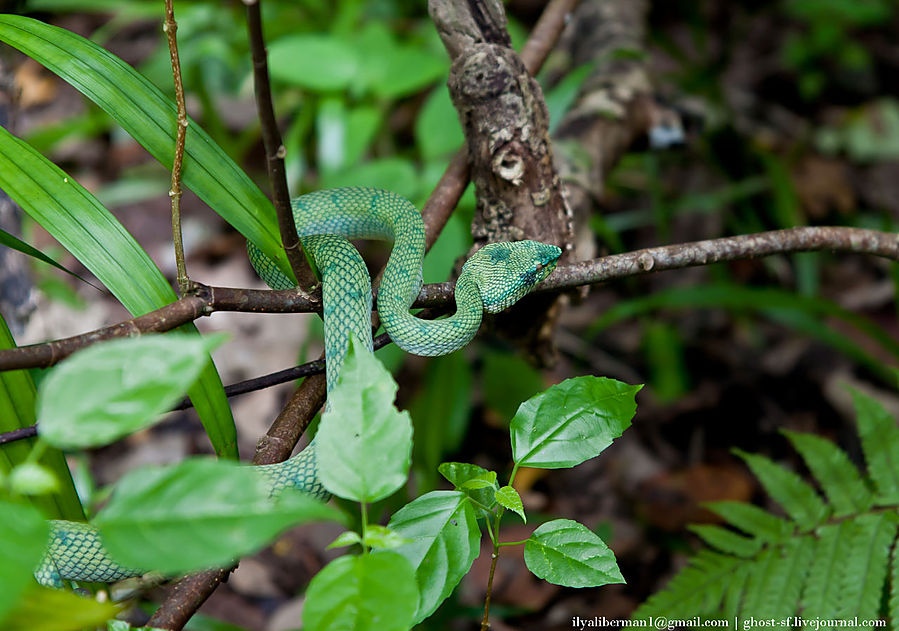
(493, 278)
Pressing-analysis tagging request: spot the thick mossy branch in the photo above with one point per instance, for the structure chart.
(829, 559)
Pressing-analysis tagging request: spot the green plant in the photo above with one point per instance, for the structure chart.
(825, 558)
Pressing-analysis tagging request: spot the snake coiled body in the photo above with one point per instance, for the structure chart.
(494, 278)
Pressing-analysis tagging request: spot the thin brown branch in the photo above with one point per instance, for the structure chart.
(205, 300)
(171, 31)
(274, 150)
(18, 434)
(546, 33)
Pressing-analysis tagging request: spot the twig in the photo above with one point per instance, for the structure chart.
(545, 33)
(18, 434)
(274, 150)
(205, 300)
(171, 30)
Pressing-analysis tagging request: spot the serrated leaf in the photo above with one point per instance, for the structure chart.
(567, 553)
(509, 498)
(43, 609)
(752, 520)
(364, 444)
(117, 387)
(150, 118)
(382, 537)
(838, 477)
(85, 228)
(821, 594)
(17, 394)
(445, 539)
(726, 540)
(198, 514)
(797, 498)
(776, 578)
(880, 442)
(866, 567)
(23, 537)
(372, 592)
(571, 422)
(696, 590)
(894, 586)
(348, 538)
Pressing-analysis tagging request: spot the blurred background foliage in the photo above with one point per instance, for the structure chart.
(791, 117)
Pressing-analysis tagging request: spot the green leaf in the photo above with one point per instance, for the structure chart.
(481, 482)
(571, 422)
(318, 62)
(16, 244)
(43, 609)
(372, 592)
(118, 387)
(200, 513)
(363, 443)
(17, 394)
(880, 442)
(150, 118)
(509, 498)
(23, 537)
(821, 594)
(86, 229)
(445, 540)
(475, 481)
(567, 553)
(836, 474)
(776, 579)
(797, 498)
(894, 585)
(865, 569)
(727, 540)
(391, 174)
(348, 538)
(753, 520)
(31, 478)
(437, 129)
(382, 537)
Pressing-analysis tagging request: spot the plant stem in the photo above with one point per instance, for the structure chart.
(171, 29)
(485, 621)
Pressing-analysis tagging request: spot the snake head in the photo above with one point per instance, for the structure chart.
(504, 272)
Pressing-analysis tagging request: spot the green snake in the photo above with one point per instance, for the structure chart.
(493, 279)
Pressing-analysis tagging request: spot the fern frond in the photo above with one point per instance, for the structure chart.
(894, 588)
(733, 596)
(797, 498)
(753, 520)
(696, 590)
(880, 442)
(839, 478)
(866, 569)
(727, 541)
(775, 585)
(822, 589)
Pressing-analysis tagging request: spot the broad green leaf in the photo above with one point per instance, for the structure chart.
(17, 394)
(117, 387)
(86, 229)
(481, 482)
(880, 442)
(348, 538)
(391, 69)
(797, 498)
(509, 498)
(753, 520)
(567, 553)
(318, 62)
(382, 537)
(571, 422)
(437, 129)
(445, 539)
(727, 540)
(150, 118)
(391, 174)
(200, 513)
(838, 477)
(43, 609)
(17, 244)
(31, 478)
(23, 537)
(372, 592)
(363, 443)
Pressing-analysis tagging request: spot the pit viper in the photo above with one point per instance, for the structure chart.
(492, 279)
